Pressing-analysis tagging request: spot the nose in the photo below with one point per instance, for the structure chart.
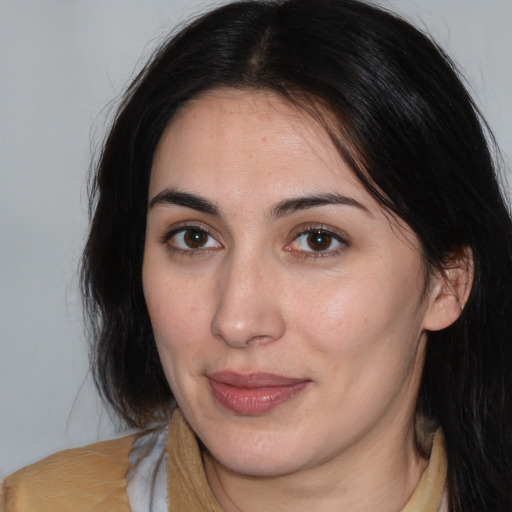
(248, 311)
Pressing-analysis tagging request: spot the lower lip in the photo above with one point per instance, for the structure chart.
(255, 400)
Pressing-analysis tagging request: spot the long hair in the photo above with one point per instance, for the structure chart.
(412, 135)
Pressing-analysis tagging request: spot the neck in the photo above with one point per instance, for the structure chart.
(381, 475)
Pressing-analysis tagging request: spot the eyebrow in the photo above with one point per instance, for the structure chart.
(169, 197)
(289, 206)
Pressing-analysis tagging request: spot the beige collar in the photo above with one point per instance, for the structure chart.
(188, 489)
(428, 496)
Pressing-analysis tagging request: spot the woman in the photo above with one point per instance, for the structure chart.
(298, 239)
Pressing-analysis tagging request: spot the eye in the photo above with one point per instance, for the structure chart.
(317, 241)
(191, 239)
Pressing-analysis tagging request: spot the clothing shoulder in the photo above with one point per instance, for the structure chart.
(89, 478)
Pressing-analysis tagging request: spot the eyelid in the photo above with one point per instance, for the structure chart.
(189, 225)
(337, 234)
(296, 233)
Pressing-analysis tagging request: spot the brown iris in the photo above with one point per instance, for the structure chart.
(195, 238)
(319, 240)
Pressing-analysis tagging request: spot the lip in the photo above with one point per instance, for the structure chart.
(253, 393)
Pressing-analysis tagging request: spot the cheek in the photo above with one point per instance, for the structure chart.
(368, 342)
(364, 318)
(172, 300)
(178, 322)
(177, 317)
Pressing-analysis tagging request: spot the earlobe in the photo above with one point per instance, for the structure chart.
(449, 291)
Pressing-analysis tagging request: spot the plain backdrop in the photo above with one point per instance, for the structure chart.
(62, 62)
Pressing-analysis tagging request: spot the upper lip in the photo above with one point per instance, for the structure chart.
(253, 379)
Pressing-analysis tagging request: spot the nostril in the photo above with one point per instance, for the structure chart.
(260, 340)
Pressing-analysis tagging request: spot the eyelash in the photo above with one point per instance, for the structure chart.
(305, 231)
(169, 235)
(301, 232)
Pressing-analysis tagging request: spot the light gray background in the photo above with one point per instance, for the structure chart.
(61, 62)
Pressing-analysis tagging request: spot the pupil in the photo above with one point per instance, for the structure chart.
(319, 241)
(195, 238)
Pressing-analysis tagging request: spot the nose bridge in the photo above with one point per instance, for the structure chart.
(248, 307)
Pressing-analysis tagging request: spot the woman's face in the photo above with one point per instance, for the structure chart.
(288, 309)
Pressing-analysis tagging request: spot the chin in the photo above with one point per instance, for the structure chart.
(257, 468)
(267, 457)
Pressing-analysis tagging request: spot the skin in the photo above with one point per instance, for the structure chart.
(253, 293)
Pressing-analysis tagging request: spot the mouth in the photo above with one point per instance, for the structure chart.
(253, 393)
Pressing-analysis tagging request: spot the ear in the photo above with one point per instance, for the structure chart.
(449, 291)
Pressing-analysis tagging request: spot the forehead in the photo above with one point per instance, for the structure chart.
(245, 141)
